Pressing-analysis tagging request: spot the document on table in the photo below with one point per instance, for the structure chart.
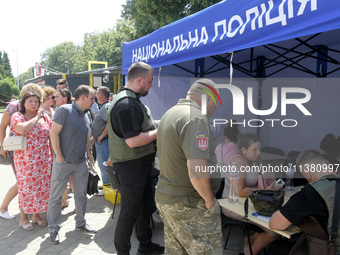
(265, 218)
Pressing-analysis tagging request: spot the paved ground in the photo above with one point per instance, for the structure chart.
(15, 240)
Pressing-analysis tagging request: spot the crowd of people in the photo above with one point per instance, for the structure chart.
(61, 128)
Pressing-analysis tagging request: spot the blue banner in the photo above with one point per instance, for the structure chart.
(232, 25)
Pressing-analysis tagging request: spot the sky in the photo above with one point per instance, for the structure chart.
(28, 28)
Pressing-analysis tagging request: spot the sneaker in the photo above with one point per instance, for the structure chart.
(100, 193)
(86, 228)
(6, 215)
(151, 248)
(54, 237)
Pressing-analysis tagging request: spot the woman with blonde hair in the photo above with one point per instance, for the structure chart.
(12, 108)
(48, 101)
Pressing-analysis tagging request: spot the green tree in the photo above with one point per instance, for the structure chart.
(149, 15)
(23, 77)
(6, 66)
(109, 45)
(6, 87)
(55, 58)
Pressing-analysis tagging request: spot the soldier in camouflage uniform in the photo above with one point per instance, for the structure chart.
(185, 194)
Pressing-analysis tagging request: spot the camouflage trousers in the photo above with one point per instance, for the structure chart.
(191, 230)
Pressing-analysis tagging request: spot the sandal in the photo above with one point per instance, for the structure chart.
(28, 226)
(42, 223)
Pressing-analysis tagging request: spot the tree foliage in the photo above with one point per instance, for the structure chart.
(104, 46)
(56, 58)
(139, 18)
(7, 81)
(8, 88)
(25, 76)
(5, 66)
(149, 15)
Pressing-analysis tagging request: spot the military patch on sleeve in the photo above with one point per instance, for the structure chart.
(201, 140)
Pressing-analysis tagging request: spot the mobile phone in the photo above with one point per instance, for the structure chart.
(279, 183)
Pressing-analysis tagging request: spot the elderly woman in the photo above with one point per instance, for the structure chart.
(12, 108)
(33, 164)
(48, 101)
(247, 158)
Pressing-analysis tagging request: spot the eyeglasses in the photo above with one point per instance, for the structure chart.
(53, 97)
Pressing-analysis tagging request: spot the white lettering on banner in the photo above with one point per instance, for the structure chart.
(262, 112)
(269, 14)
(281, 18)
(184, 43)
(254, 11)
(176, 38)
(303, 5)
(193, 39)
(161, 49)
(290, 9)
(153, 51)
(204, 36)
(168, 47)
(239, 20)
(263, 11)
(134, 55)
(222, 23)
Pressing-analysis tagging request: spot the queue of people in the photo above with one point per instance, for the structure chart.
(126, 134)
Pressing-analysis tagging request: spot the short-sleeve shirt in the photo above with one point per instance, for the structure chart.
(127, 117)
(73, 136)
(184, 133)
(100, 121)
(12, 107)
(94, 108)
(306, 202)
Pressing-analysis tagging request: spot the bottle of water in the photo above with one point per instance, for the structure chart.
(233, 176)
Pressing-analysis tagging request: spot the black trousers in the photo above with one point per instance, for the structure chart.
(136, 204)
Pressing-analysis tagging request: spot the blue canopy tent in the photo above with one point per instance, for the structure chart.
(288, 38)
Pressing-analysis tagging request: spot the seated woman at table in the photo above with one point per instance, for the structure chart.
(224, 151)
(247, 158)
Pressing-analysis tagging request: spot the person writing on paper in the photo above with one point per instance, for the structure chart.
(246, 159)
(315, 199)
(33, 164)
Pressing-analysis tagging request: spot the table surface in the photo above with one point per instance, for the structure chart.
(239, 209)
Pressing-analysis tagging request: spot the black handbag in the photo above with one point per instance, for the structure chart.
(265, 202)
(92, 185)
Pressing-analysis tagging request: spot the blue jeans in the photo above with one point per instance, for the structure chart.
(103, 154)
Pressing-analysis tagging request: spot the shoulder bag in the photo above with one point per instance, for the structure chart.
(265, 202)
(13, 143)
